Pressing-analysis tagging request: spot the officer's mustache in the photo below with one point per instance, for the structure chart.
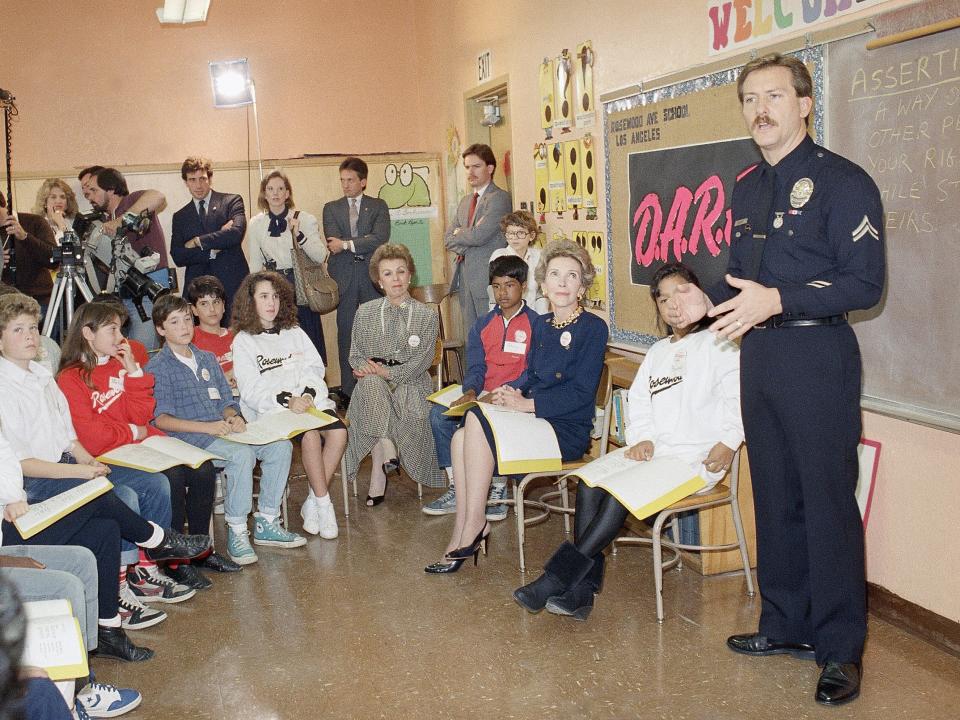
(764, 119)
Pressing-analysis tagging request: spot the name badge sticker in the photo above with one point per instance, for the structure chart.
(414, 341)
(205, 374)
(566, 338)
(213, 393)
(515, 348)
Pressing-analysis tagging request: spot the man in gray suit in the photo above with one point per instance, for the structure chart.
(355, 226)
(475, 231)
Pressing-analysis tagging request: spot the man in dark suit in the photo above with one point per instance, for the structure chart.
(475, 232)
(355, 226)
(28, 240)
(208, 231)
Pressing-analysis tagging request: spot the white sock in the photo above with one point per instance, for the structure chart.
(110, 622)
(324, 501)
(155, 539)
(239, 529)
(311, 497)
(268, 518)
(449, 471)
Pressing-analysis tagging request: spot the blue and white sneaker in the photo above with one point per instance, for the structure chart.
(100, 700)
(274, 534)
(446, 504)
(238, 547)
(496, 509)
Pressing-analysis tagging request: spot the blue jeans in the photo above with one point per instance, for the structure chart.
(70, 574)
(147, 494)
(443, 427)
(239, 460)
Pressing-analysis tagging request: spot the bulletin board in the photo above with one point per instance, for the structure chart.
(672, 157)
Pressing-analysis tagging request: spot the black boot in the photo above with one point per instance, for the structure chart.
(177, 546)
(577, 602)
(112, 642)
(564, 570)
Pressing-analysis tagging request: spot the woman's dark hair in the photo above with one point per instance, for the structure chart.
(244, 316)
(77, 352)
(689, 276)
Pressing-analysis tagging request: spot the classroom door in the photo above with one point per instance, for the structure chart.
(499, 136)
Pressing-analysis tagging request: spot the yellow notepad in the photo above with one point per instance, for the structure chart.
(156, 454)
(54, 641)
(41, 515)
(281, 425)
(644, 488)
(525, 443)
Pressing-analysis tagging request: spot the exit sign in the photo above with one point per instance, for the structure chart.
(484, 66)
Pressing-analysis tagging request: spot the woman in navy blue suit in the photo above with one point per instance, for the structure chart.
(561, 387)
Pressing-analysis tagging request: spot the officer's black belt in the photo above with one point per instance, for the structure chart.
(778, 321)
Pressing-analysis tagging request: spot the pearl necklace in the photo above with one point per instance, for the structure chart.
(570, 320)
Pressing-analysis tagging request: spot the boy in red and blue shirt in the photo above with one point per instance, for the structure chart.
(498, 349)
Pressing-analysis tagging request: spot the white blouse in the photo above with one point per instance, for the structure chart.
(262, 247)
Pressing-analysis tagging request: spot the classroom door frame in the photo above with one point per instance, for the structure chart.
(500, 136)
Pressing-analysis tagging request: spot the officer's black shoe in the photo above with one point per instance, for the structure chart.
(188, 575)
(218, 563)
(112, 642)
(760, 645)
(177, 546)
(839, 683)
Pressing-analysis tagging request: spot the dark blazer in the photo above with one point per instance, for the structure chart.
(32, 255)
(230, 265)
(373, 230)
(477, 241)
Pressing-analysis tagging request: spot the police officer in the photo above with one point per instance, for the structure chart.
(807, 248)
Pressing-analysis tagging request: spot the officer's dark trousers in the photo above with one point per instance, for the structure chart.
(800, 395)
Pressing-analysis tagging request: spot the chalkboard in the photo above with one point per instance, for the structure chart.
(896, 112)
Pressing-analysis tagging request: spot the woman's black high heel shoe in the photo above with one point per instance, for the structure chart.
(443, 568)
(374, 501)
(479, 543)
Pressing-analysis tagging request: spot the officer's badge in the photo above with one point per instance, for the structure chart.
(801, 192)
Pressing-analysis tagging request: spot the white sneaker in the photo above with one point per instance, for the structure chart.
(327, 519)
(311, 516)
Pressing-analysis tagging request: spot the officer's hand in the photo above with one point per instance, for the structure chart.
(719, 458)
(754, 304)
(688, 304)
(643, 450)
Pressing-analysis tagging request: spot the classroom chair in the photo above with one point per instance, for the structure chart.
(724, 493)
(435, 295)
(520, 502)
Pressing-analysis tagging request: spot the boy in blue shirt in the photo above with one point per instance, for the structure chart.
(195, 404)
(498, 348)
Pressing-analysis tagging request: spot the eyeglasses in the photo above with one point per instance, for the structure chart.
(517, 234)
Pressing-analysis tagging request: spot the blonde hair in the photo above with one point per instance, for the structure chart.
(390, 251)
(566, 248)
(15, 304)
(40, 206)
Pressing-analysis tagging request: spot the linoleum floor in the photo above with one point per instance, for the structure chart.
(353, 628)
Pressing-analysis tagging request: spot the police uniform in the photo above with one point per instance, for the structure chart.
(812, 227)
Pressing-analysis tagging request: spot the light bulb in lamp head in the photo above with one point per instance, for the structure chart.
(231, 83)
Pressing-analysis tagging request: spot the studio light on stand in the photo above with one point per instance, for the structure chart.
(233, 87)
(183, 12)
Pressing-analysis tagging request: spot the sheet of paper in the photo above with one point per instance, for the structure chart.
(42, 515)
(281, 425)
(447, 395)
(55, 644)
(525, 443)
(157, 453)
(645, 487)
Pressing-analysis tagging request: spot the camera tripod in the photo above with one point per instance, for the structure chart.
(67, 283)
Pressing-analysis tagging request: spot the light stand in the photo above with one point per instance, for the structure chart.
(233, 87)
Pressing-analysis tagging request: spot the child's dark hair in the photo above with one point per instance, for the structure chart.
(166, 306)
(205, 286)
(77, 352)
(114, 301)
(508, 266)
(245, 318)
(689, 276)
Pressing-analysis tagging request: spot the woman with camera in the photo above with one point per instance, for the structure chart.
(270, 237)
(393, 344)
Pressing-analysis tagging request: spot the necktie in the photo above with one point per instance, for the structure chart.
(202, 211)
(354, 216)
(760, 222)
(473, 209)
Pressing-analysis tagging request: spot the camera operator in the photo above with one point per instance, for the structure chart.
(106, 189)
(32, 243)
